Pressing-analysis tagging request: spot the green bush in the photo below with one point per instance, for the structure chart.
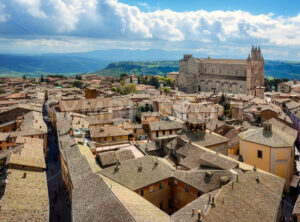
(128, 88)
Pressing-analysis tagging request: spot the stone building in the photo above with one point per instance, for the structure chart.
(270, 148)
(245, 76)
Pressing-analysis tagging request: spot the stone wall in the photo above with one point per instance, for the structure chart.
(222, 75)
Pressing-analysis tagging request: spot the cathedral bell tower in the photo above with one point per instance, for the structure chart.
(255, 73)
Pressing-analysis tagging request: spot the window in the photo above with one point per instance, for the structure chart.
(142, 192)
(151, 189)
(170, 132)
(175, 182)
(161, 205)
(157, 135)
(170, 203)
(160, 185)
(259, 154)
(187, 188)
(164, 132)
(134, 130)
(198, 194)
(170, 182)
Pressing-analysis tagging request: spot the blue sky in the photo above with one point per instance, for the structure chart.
(279, 7)
(216, 28)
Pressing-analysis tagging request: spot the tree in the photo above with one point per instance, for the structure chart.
(154, 82)
(223, 102)
(130, 79)
(128, 88)
(139, 80)
(24, 77)
(114, 89)
(42, 79)
(166, 89)
(77, 84)
(123, 76)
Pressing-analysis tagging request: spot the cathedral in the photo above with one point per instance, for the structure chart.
(244, 76)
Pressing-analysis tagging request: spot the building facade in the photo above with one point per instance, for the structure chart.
(245, 76)
(270, 148)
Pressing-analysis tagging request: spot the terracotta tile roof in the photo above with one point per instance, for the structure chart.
(92, 104)
(205, 138)
(133, 177)
(201, 180)
(164, 125)
(196, 158)
(280, 135)
(107, 131)
(25, 199)
(93, 200)
(248, 200)
(32, 155)
(112, 157)
(140, 208)
(201, 203)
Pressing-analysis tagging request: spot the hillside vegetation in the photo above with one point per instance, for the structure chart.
(282, 69)
(36, 65)
(140, 68)
(273, 69)
(106, 64)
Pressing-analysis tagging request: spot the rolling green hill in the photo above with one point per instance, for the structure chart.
(275, 69)
(282, 69)
(105, 62)
(140, 68)
(16, 65)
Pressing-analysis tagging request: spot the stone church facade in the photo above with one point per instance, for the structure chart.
(244, 76)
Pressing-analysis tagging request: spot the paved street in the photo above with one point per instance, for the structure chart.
(59, 209)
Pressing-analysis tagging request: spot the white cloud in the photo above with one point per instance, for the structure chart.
(32, 7)
(111, 19)
(3, 16)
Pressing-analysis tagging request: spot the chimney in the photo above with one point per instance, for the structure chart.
(140, 167)
(156, 161)
(200, 216)
(213, 202)
(24, 175)
(117, 165)
(224, 180)
(257, 179)
(268, 127)
(193, 212)
(208, 174)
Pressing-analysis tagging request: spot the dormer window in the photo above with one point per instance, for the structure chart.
(268, 127)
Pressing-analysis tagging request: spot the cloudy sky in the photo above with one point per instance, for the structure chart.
(216, 28)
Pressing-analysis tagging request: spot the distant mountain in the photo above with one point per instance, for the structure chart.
(140, 68)
(276, 69)
(117, 55)
(282, 69)
(107, 62)
(46, 64)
